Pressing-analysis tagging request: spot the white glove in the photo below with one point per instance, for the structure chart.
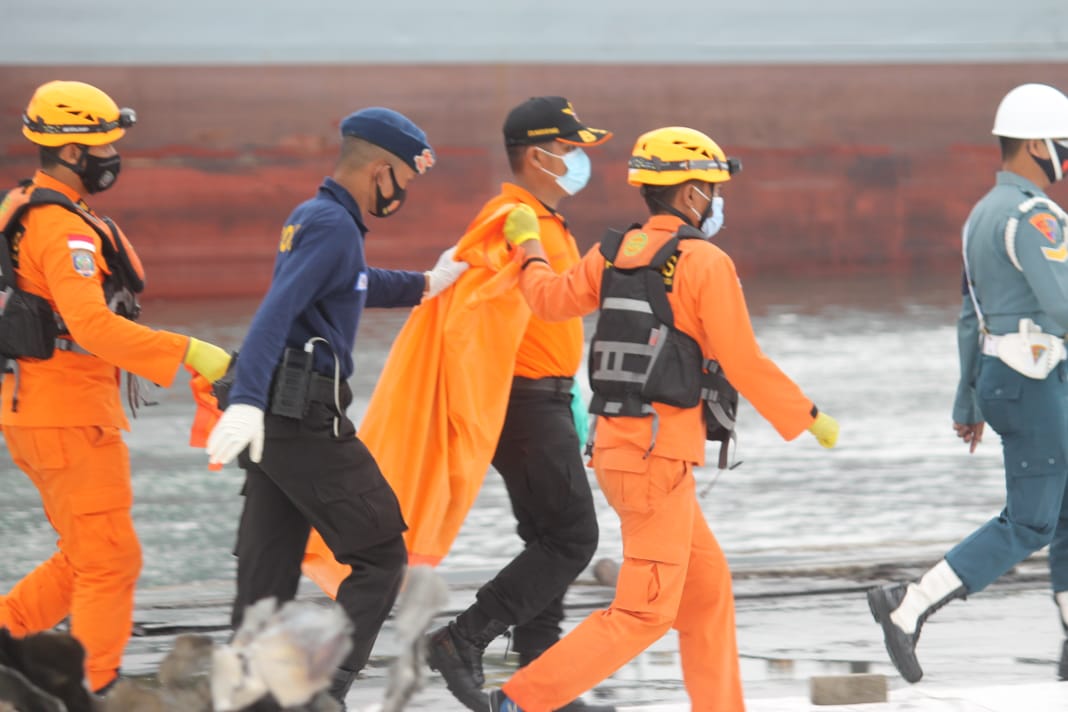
(445, 272)
(239, 427)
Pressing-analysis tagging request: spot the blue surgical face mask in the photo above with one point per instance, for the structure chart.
(577, 173)
(712, 219)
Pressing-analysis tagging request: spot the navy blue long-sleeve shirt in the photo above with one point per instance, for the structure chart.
(320, 285)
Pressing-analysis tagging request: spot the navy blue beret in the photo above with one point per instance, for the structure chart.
(394, 132)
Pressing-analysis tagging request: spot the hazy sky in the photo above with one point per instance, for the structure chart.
(613, 31)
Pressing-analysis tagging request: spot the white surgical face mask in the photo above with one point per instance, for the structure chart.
(713, 221)
(576, 170)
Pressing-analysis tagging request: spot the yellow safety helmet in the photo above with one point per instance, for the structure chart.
(74, 112)
(676, 154)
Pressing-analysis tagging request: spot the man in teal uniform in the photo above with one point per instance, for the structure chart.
(1013, 373)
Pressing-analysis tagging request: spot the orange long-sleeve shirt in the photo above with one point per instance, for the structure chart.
(549, 347)
(72, 389)
(709, 306)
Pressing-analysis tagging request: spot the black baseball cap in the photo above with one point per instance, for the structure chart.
(540, 119)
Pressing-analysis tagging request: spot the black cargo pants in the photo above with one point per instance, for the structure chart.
(539, 458)
(310, 477)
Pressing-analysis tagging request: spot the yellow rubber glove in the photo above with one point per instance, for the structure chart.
(825, 428)
(206, 359)
(521, 225)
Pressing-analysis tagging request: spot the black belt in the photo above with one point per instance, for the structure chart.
(551, 384)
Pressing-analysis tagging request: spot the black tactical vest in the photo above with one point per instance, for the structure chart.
(638, 357)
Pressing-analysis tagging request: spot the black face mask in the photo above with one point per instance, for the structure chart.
(100, 173)
(1056, 166)
(97, 174)
(384, 207)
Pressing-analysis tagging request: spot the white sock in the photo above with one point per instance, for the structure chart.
(935, 585)
(1062, 603)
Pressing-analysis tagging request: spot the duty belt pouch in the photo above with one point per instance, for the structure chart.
(1030, 351)
(27, 325)
(289, 394)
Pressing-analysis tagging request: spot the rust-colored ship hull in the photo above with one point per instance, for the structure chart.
(847, 168)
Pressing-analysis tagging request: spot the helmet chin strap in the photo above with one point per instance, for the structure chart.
(676, 212)
(77, 168)
(1054, 158)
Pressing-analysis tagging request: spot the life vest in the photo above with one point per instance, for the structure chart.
(637, 356)
(29, 328)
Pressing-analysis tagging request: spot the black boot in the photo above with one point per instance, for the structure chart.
(900, 645)
(457, 654)
(938, 587)
(340, 684)
(577, 705)
(1062, 669)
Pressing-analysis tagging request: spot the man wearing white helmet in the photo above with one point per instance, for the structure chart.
(1011, 330)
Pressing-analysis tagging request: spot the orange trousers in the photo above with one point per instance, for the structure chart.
(674, 575)
(83, 477)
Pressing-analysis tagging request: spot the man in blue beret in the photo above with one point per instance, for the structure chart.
(285, 412)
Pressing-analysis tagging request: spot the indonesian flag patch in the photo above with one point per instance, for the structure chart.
(82, 250)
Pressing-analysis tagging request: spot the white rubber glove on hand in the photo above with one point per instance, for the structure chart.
(239, 427)
(445, 272)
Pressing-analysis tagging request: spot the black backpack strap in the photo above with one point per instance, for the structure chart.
(7, 268)
(40, 196)
(115, 248)
(664, 254)
(613, 239)
(655, 287)
(7, 233)
(47, 196)
(610, 244)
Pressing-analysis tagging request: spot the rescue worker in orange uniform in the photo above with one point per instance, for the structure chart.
(538, 454)
(62, 414)
(648, 352)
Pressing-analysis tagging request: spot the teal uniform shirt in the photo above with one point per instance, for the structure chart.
(1024, 277)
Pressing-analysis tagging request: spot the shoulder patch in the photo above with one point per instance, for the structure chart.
(634, 243)
(285, 243)
(83, 261)
(1046, 224)
(361, 282)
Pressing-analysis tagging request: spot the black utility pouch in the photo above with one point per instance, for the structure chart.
(27, 325)
(289, 394)
(674, 376)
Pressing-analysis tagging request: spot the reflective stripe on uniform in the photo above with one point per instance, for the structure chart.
(624, 304)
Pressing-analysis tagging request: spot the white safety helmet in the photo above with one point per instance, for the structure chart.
(1032, 111)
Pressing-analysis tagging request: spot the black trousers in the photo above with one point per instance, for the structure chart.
(539, 457)
(308, 477)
